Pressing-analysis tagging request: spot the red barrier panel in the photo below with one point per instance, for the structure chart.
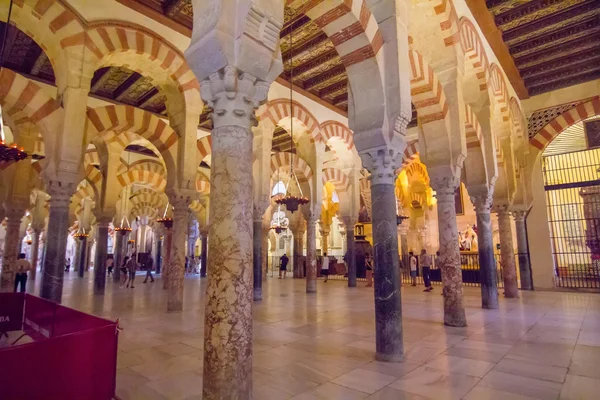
(75, 356)
(11, 311)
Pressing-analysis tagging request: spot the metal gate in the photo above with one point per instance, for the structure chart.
(572, 184)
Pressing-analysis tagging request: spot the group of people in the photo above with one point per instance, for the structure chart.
(425, 261)
(192, 265)
(128, 268)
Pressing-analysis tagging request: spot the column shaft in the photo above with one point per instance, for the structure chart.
(523, 250)
(166, 257)
(203, 256)
(388, 302)
(118, 252)
(158, 255)
(100, 258)
(82, 257)
(257, 258)
(509, 270)
(228, 317)
(449, 259)
(35, 248)
(487, 265)
(176, 264)
(265, 253)
(56, 247)
(11, 248)
(311, 255)
(350, 256)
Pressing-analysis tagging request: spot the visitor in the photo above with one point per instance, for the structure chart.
(413, 268)
(131, 268)
(67, 265)
(325, 267)
(109, 264)
(369, 269)
(193, 264)
(283, 262)
(149, 265)
(425, 261)
(124, 271)
(22, 266)
(187, 265)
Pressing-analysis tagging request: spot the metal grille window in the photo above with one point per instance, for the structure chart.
(572, 184)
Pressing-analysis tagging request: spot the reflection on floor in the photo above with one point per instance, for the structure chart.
(543, 345)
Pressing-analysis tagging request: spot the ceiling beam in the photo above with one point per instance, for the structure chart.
(100, 77)
(147, 97)
(126, 86)
(305, 47)
(583, 56)
(315, 62)
(324, 76)
(568, 81)
(326, 91)
(545, 55)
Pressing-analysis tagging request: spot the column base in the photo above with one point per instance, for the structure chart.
(389, 357)
(257, 294)
(457, 323)
(311, 290)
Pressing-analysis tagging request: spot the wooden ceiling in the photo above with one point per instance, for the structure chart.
(554, 43)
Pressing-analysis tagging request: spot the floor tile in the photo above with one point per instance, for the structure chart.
(459, 365)
(580, 388)
(485, 393)
(393, 394)
(178, 387)
(532, 370)
(364, 380)
(522, 385)
(435, 384)
(330, 391)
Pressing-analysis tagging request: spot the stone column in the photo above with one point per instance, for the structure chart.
(445, 185)
(228, 318)
(311, 251)
(325, 229)
(11, 248)
(523, 250)
(381, 163)
(403, 232)
(298, 230)
(168, 238)
(204, 248)
(100, 256)
(192, 236)
(266, 229)
(350, 253)
(119, 251)
(35, 248)
(83, 252)
(176, 265)
(507, 254)
(56, 241)
(258, 211)
(487, 265)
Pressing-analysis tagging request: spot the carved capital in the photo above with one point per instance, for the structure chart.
(501, 209)
(519, 215)
(382, 163)
(445, 185)
(349, 222)
(233, 96)
(60, 193)
(482, 202)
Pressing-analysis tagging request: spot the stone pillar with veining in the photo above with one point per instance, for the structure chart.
(445, 185)
(507, 253)
(56, 241)
(311, 251)
(119, 253)
(403, 233)
(168, 238)
(382, 164)
(487, 265)
(324, 231)
(11, 249)
(523, 250)
(259, 208)
(204, 251)
(349, 223)
(266, 230)
(35, 251)
(83, 256)
(176, 265)
(100, 256)
(298, 228)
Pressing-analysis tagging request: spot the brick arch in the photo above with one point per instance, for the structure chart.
(144, 210)
(583, 111)
(143, 164)
(204, 146)
(276, 110)
(147, 199)
(281, 160)
(474, 51)
(426, 90)
(472, 128)
(147, 176)
(498, 90)
(337, 177)
(411, 153)
(516, 117)
(331, 129)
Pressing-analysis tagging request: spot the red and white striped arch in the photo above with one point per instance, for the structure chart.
(583, 111)
(474, 51)
(335, 129)
(135, 120)
(498, 91)
(516, 117)
(282, 161)
(148, 174)
(144, 164)
(204, 146)
(426, 90)
(337, 177)
(278, 109)
(472, 128)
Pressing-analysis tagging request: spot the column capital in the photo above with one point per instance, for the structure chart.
(501, 209)
(60, 193)
(482, 202)
(444, 184)
(349, 222)
(382, 163)
(258, 209)
(519, 215)
(233, 95)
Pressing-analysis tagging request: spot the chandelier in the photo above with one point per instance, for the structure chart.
(165, 220)
(289, 200)
(279, 223)
(8, 153)
(81, 234)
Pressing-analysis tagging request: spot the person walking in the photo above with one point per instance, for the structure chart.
(131, 268)
(123, 269)
(109, 264)
(68, 265)
(325, 267)
(425, 261)
(283, 262)
(149, 265)
(369, 269)
(413, 268)
(22, 267)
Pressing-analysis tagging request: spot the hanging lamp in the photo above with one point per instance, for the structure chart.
(8, 153)
(289, 200)
(165, 219)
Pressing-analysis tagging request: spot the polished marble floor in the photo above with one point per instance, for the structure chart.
(542, 346)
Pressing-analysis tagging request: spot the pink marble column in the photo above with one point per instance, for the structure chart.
(449, 260)
(11, 248)
(266, 230)
(349, 223)
(35, 248)
(311, 251)
(168, 238)
(176, 265)
(204, 251)
(507, 253)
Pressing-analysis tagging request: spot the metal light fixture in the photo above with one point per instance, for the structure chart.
(165, 219)
(279, 223)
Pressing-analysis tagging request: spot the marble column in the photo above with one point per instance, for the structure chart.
(229, 293)
(35, 251)
(11, 249)
(158, 237)
(298, 230)
(257, 256)
(192, 236)
(204, 254)
(487, 265)
(266, 230)
(325, 229)
(83, 252)
(403, 232)
(445, 187)
(56, 242)
(176, 265)
(388, 301)
(523, 250)
(77, 256)
(119, 252)
(168, 238)
(507, 254)
(350, 253)
(100, 256)
(311, 252)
